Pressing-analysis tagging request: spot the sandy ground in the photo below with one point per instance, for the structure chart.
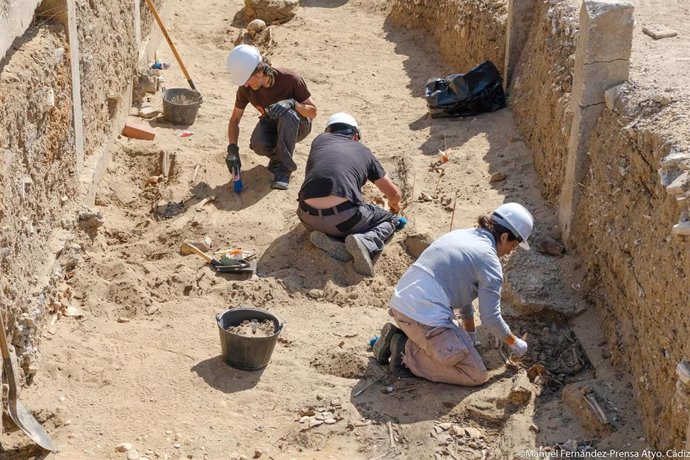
(143, 365)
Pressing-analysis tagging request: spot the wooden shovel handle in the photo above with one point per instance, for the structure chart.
(197, 251)
(172, 47)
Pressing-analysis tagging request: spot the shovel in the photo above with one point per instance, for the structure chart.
(152, 7)
(19, 414)
(187, 248)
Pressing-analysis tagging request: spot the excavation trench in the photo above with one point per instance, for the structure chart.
(142, 363)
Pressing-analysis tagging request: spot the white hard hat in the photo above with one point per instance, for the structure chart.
(516, 218)
(342, 117)
(242, 62)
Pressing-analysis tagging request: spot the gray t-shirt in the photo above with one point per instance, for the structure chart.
(340, 166)
(454, 270)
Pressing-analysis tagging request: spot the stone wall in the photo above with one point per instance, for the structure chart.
(638, 271)
(41, 186)
(466, 32)
(36, 179)
(540, 91)
(633, 210)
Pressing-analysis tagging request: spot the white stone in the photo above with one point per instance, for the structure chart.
(681, 229)
(679, 184)
(124, 447)
(610, 96)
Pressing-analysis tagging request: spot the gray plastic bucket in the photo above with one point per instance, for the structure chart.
(242, 352)
(180, 105)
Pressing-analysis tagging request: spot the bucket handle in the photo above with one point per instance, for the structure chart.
(280, 323)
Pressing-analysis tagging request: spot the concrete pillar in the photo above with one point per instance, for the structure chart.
(15, 18)
(78, 122)
(602, 60)
(520, 13)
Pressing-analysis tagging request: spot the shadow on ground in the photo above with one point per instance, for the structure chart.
(220, 376)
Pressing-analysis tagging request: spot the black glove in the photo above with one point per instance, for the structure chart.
(233, 159)
(274, 111)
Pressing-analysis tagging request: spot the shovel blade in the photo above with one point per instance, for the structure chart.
(26, 422)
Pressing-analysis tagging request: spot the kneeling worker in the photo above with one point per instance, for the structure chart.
(454, 270)
(330, 200)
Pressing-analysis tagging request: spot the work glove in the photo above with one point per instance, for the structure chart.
(233, 159)
(473, 337)
(519, 348)
(235, 167)
(274, 111)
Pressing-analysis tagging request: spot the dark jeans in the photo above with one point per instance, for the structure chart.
(276, 139)
(373, 225)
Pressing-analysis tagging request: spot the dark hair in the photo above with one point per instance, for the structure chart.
(342, 128)
(496, 230)
(264, 66)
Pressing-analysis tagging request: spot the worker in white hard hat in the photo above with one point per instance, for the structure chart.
(285, 108)
(330, 200)
(450, 274)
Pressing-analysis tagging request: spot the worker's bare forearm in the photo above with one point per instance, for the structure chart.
(306, 108)
(233, 132)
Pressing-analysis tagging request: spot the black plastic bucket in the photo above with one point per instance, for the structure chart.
(242, 352)
(180, 105)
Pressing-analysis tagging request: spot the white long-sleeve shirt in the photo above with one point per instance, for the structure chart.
(453, 271)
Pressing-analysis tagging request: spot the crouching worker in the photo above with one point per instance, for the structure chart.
(454, 270)
(330, 200)
(285, 107)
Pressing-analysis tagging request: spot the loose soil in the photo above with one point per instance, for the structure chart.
(253, 328)
(143, 364)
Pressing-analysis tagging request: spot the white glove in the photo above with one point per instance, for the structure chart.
(473, 336)
(519, 348)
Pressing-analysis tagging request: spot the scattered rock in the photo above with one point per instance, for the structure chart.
(271, 11)
(257, 453)
(548, 245)
(417, 243)
(124, 447)
(497, 177)
(657, 32)
(90, 220)
(521, 390)
(133, 455)
(148, 112)
(467, 432)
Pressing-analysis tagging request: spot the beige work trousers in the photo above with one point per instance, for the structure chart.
(441, 354)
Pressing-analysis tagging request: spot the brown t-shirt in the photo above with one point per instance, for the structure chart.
(286, 85)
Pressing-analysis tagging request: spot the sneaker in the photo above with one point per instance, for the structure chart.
(360, 255)
(331, 246)
(397, 349)
(280, 182)
(382, 347)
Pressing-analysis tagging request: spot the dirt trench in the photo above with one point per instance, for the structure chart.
(142, 364)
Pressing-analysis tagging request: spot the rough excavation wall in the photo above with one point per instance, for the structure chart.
(37, 177)
(541, 87)
(636, 191)
(39, 184)
(108, 62)
(467, 32)
(639, 272)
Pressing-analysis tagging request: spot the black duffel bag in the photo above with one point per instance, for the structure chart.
(460, 95)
